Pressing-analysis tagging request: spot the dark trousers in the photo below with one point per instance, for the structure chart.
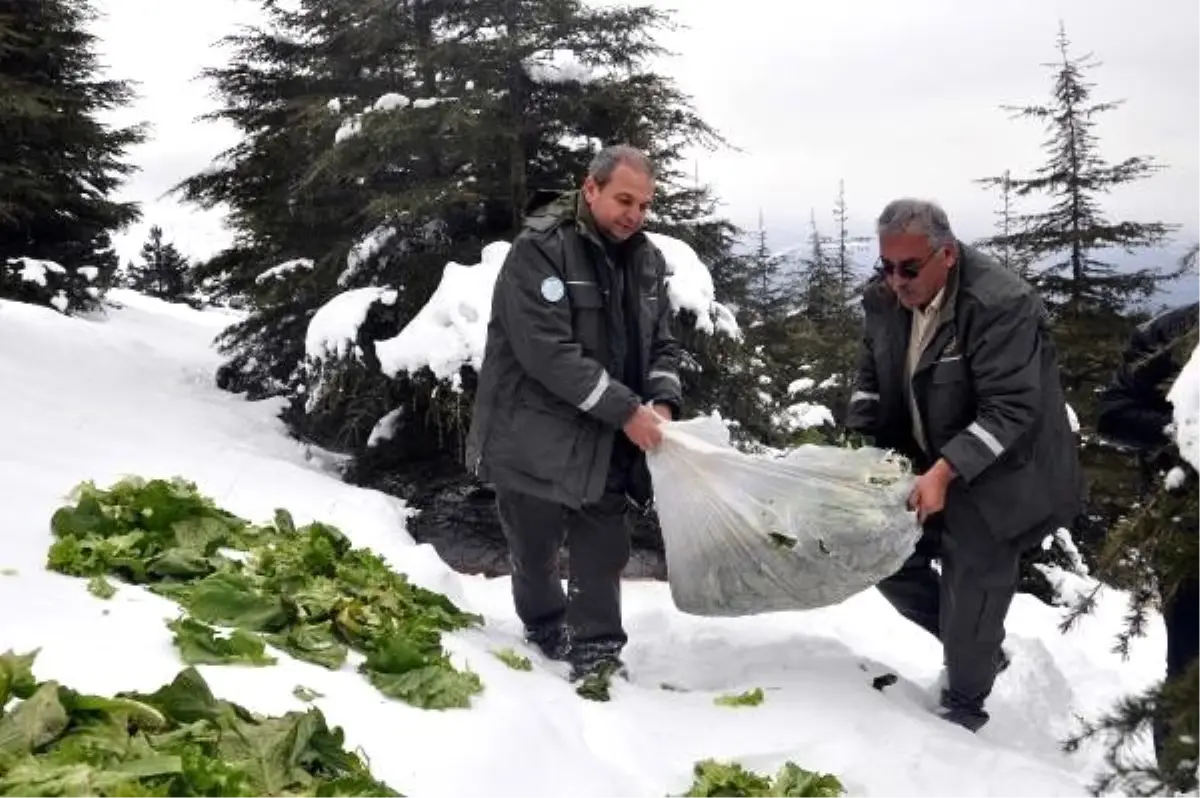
(598, 547)
(1181, 617)
(964, 607)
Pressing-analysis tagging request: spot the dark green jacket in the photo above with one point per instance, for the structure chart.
(988, 391)
(551, 399)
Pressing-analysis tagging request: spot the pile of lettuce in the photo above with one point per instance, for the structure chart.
(712, 778)
(178, 740)
(304, 590)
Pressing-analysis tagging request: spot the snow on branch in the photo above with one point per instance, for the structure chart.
(283, 270)
(392, 101)
(802, 416)
(690, 287)
(558, 66)
(38, 272)
(450, 331)
(34, 271)
(333, 329)
(364, 249)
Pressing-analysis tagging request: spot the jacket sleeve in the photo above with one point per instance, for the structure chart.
(1004, 357)
(862, 415)
(663, 384)
(1132, 410)
(540, 332)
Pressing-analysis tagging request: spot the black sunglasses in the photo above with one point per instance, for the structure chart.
(908, 269)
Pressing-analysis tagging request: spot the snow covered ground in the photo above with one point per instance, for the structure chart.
(131, 392)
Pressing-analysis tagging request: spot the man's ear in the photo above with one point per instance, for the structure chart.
(590, 188)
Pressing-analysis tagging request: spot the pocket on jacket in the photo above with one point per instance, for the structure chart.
(948, 371)
(585, 296)
(588, 315)
(1011, 500)
(949, 401)
(540, 443)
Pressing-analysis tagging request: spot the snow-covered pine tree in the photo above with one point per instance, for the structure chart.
(59, 164)
(824, 337)
(163, 272)
(383, 140)
(292, 232)
(755, 379)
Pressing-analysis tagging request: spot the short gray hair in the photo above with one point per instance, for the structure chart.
(608, 159)
(909, 215)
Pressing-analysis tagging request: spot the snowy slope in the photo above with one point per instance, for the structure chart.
(131, 393)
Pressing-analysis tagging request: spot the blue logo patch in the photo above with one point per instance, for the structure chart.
(553, 289)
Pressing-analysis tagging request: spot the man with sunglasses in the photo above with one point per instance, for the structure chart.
(959, 373)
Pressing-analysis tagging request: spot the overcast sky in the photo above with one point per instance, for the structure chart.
(894, 98)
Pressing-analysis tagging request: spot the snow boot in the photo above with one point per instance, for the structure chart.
(969, 719)
(964, 712)
(596, 657)
(594, 679)
(550, 640)
(603, 669)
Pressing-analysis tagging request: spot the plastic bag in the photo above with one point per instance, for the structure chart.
(749, 534)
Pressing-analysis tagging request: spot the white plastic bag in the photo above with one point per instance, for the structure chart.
(749, 534)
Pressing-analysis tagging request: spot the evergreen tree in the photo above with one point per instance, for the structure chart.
(280, 89)
(58, 163)
(823, 292)
(1088, 295)
(825, 337)
(1004, 245)
(1065, 246)
(383, 139)
(719, 373)
(1072, 233)
(772, 283)
(163, 272)
(844, 245)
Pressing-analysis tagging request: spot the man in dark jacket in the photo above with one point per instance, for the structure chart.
(1135, 413)
(959, 373)
(579, 371)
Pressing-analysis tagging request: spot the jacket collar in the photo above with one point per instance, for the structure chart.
(944, 332)
(585, 222)
(953, 282)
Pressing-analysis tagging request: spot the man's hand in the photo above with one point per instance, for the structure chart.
(644, 428)
(929, 494)
(663, 410)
